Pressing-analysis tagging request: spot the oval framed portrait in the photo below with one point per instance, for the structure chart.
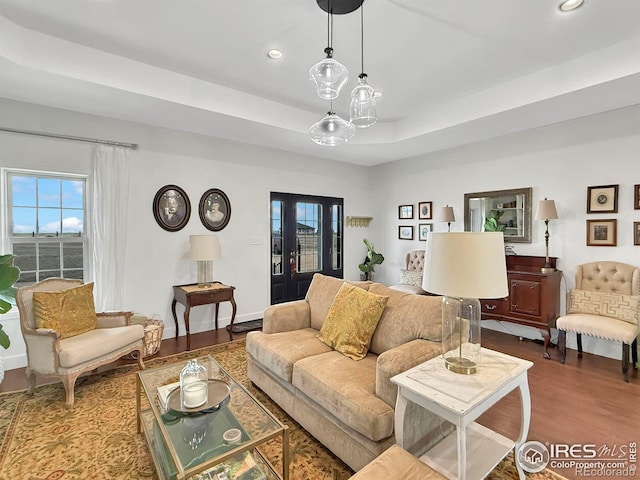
(171, 208)
(215, 209)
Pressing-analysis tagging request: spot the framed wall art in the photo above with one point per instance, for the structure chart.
(636, 197)
(425, 210)
(602, 199)
(423, 230)
(405, 232)
(636, 233)
(214, 209)
(405, 212)
(602, 233)
(171, 208)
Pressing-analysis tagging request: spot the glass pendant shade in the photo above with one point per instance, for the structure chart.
(363, 105)
(328, 76)
(331, 131)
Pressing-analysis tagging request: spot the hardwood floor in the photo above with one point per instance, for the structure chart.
(582, 401)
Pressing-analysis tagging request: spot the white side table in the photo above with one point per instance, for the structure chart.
(460, 399)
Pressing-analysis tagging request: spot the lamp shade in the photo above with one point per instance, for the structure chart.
(204, 247)
(546, 210)
(331, 131)
(446, 214)
(466, 265)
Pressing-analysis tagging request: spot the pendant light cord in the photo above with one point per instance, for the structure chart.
(362, 37)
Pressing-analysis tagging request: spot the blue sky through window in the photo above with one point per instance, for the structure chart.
(56, 205)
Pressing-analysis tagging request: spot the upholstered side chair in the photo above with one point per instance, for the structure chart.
(605, 303)
(49, 355)
(411, 276)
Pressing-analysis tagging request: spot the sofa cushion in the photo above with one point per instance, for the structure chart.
(614, 305)
(69, 312)
(320, 296)
(397, 463)
(351, 321)
(95, 343)
(405, 318)
(594, 326)
(278, 352)
(346, 389)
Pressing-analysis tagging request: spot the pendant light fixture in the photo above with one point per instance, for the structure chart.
(332, 130)
(363, 105)
(329, 75)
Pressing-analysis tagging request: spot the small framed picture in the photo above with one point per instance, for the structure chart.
(423, 230)
(215, 209)
(602, 199)
(636, 197)
(636, 233)
(405, 232)
(602, 233)
(405, 212)
(425, 211)
(171, 208)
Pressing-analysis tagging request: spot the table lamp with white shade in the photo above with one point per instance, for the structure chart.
(446, 215)
(204, 249)
(547, 211)
(464, 266)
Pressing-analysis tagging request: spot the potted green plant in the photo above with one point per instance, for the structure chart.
(491, 222)
(9, 275)
(372, 259)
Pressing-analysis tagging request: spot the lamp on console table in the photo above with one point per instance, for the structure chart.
(464, 266)
(204, 249)
(446, 215)
(547, 211)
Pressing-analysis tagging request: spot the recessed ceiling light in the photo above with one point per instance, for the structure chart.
(569, 5)
(274, 53)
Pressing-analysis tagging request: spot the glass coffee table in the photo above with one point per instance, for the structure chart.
(188, 444)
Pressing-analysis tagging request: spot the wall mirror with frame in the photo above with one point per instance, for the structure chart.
(508, 211)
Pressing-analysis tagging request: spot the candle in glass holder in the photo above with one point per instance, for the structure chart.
(195, 394)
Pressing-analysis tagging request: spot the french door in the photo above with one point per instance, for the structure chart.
(306, 238)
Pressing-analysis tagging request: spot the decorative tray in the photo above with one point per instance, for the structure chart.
(219, 393)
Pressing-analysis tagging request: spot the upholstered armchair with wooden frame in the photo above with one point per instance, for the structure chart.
(605, 303)
(51, 353)
(411, 276)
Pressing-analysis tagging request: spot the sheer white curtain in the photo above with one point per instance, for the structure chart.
(111, 171)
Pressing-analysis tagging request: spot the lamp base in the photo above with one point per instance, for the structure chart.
(546, 269)
(460, 365)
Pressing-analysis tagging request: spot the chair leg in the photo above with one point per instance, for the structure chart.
(69, 383)
(562, 345)
(31, 379)
(579, 340)
(625, 361)
(141, 365)
(634, 354)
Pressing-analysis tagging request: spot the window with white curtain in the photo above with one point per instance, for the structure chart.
(45, 224)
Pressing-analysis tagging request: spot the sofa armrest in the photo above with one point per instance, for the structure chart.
(113, 319)
(398, 360)
(285, 317)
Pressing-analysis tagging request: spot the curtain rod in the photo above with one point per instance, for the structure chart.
(70, 137)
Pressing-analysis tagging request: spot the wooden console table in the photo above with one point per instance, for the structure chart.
(534, 297)
(192, 295)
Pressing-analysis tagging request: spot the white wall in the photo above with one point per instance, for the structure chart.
(558, 162)
(156, 259)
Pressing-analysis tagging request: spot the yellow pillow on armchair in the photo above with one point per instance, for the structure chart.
(352, 320)
(69, 312)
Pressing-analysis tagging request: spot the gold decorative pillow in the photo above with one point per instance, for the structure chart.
(614, 305)
(69, 312)
(352, 320)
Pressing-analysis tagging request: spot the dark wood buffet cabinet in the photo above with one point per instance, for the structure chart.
(534, 297)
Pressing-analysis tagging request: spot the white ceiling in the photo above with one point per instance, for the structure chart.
(450, 71)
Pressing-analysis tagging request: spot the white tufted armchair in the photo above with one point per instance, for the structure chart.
(605, 303)
(411, 275)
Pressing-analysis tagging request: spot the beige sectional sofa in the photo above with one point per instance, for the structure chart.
(347, 405)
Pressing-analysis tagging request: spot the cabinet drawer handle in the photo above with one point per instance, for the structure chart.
(491, 307)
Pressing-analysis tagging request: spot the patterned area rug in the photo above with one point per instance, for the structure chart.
(97, 440)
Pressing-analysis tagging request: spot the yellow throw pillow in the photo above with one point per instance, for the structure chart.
(352, 320)
(69, 312)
